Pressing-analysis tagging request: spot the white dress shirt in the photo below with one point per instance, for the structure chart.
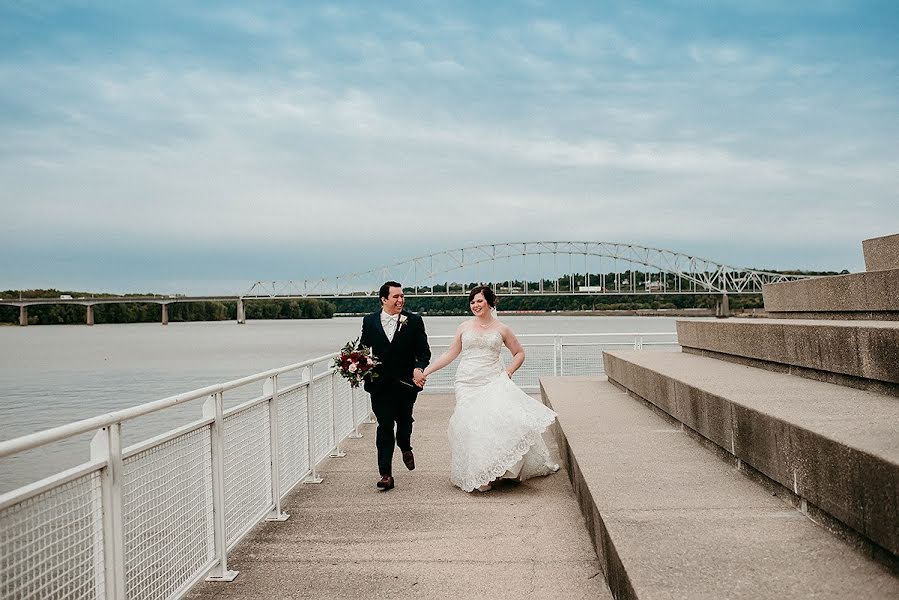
(388, 322)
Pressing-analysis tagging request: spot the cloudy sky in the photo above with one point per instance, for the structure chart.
(197, 147)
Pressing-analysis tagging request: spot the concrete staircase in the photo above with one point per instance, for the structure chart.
(762, 461)
(873, 294)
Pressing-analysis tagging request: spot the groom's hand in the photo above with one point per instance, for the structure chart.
(419, 378)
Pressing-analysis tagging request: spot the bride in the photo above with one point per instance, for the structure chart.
(496, 430)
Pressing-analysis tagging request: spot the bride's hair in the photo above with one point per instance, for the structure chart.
(489, 296)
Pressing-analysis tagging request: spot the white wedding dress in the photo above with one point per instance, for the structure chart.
(496, 430)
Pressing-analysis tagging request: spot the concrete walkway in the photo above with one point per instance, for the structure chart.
(423, 539)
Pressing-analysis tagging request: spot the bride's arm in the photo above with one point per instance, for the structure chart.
(449, 356)
(515, 348)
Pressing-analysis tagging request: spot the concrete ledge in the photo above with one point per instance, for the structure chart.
(838, 315)
(870, 293)
(863, 350)
(837, 448)
(669, 519)
(881, 253)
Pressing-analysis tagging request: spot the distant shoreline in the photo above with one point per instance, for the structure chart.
(640, 312)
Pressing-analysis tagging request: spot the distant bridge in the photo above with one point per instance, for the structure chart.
(89, 302)
(514, 268)
(538, 268)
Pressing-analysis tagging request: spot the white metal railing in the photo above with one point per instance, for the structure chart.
(549, 354)
(151, 520)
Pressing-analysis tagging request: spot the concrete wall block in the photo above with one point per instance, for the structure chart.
(826, 348)
(764, 443)
(859, 292)
(879, 354)
(881, 289)
(649, 385)
(705, 413)
(613, 366)
(856, 488)
(865, 350)
(881, 253)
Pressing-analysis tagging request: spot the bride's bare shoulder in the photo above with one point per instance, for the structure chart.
(505, 330)
(463, 326)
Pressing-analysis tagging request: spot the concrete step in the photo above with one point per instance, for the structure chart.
(860, 354)
(881, 253)
(835, 448)
(670, 519)
(870, 296)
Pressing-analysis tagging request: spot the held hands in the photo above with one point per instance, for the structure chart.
(419, 378)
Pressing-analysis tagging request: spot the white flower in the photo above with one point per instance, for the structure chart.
(402, 321)
(352, 368)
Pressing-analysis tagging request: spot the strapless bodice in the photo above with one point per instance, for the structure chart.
(479, 361)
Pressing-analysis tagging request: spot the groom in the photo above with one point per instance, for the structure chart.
(398, 340)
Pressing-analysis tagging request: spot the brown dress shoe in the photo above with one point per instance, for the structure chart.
(386, 483)
(409, 459)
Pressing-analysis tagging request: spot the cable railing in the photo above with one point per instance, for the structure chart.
(150, 520)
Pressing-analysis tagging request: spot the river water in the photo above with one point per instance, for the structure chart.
(53, 375)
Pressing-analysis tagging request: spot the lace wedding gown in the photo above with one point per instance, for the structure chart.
(496, 429)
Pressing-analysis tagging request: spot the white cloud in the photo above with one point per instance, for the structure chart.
(448, 132)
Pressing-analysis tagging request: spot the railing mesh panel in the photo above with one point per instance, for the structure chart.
(293, 455)
(585, 359)
(363, 404)
(248, 476)
(343, 409)
(167, 515)
(321, 419)
(52, 544)
(538, 363)
(443, 379)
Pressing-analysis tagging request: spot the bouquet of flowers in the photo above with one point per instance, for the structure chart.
(356, 363)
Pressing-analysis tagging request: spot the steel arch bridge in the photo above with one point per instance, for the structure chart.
(538, 268)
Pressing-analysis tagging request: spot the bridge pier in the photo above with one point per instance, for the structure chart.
(241, 312)
(90, 314)
(23, 316)
(165, 314)
(722, 307)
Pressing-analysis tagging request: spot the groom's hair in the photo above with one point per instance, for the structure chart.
(384, 292)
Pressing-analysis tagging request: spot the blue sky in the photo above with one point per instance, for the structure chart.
(197, 147)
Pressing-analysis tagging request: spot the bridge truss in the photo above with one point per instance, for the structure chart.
(535, 268)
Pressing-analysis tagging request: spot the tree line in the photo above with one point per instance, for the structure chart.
(458, 305)
(312, 308)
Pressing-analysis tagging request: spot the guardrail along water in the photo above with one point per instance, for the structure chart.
(150, 520)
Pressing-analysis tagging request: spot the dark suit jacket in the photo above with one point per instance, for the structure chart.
(408, 350)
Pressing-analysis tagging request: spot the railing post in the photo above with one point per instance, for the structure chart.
(107, 445)
(638, 342)
(336, 452)
(312, 477)
(557, 353)
(355, 434)
(561, 358)
(241, 312)
(213, 408)
(274, 423)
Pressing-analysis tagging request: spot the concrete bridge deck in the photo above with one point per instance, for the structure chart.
(423, 539)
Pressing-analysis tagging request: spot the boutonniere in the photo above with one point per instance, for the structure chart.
(401, 321)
